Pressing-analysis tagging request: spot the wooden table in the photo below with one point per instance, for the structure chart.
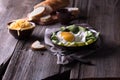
(25, 64)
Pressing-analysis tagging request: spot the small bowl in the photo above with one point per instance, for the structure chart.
(21, 34)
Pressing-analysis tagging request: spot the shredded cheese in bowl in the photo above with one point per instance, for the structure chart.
(21, 24)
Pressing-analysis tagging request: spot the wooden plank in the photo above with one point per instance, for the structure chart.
(74, 74)
(8, 12)
(5, 50)
(32, 65)
(83, 6)
(106, 20)
(104, 16)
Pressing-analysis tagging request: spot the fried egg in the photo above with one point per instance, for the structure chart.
(65, 36)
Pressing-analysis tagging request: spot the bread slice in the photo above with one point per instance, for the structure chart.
(46, 19)
(49, 19)
(37, 13)
(37, 46)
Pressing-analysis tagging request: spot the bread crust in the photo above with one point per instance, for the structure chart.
(54, 4)
(50, 6)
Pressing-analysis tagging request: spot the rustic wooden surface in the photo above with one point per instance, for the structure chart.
(26, 64)
(104, 16)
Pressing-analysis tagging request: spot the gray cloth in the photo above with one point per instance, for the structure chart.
(60, 54)
(61, 59)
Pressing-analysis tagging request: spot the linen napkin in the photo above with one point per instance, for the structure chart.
(65, 56)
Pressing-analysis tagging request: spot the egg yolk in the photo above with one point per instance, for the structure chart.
(67, 36)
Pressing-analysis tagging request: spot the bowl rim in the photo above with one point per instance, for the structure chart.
(22, 29)
(89, 28)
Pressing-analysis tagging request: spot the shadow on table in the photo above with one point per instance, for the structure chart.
(61, 76)
(35, 37)
(106, 49)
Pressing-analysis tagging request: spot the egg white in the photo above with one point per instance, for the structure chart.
(80, 36)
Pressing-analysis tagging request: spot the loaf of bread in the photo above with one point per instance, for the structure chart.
(46, 7)
(53, 4)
